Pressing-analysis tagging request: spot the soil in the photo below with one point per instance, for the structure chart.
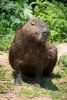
(62, 50)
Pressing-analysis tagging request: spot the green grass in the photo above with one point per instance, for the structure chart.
(5, 41)
(30, 91)
(63, 61)
(5, 74)
(2, 73)
(5, 80)
(2, 89)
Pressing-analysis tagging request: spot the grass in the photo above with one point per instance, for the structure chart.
(55, 86)
(2, 89)
(63, 61)
(5, 41)
(5, 80)
(2, 73)
(30, 91)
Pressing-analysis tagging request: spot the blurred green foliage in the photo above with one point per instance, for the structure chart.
(55, 15)
(15, 13)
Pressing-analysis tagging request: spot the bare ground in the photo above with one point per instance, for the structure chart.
(12, 95)
(62, 49)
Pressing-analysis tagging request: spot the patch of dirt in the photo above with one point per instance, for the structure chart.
(41, 98)
(9, 96)
(59, 81)
(62, 50)
(3, 58)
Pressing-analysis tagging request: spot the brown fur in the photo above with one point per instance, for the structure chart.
(29, 52)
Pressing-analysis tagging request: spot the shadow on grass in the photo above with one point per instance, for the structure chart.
(47, 80)
(48, 84)
(55, 75)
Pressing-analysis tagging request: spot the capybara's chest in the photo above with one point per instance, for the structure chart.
(31, 60)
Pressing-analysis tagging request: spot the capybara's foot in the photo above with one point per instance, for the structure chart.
(18, 81)
(39, 84)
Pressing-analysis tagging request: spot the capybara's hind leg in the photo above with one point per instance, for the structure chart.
(51, 58)
(50, 67)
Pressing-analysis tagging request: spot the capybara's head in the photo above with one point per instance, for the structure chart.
(36, 29)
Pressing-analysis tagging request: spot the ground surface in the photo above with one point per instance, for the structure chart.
(12, 91)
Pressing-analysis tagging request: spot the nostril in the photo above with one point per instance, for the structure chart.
(44, 33)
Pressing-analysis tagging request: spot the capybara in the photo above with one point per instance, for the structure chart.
(30, 53)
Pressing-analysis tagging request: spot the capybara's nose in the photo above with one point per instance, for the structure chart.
(44, 33)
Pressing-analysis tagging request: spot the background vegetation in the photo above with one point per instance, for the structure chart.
(54, 14)
(15, 13)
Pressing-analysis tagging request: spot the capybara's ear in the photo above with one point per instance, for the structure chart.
(28, 18)
(32, 23)
(38, 17)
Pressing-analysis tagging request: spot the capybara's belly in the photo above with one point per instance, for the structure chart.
(29, 69)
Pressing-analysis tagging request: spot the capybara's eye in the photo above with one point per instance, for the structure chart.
(32, 23)
(36, 32)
